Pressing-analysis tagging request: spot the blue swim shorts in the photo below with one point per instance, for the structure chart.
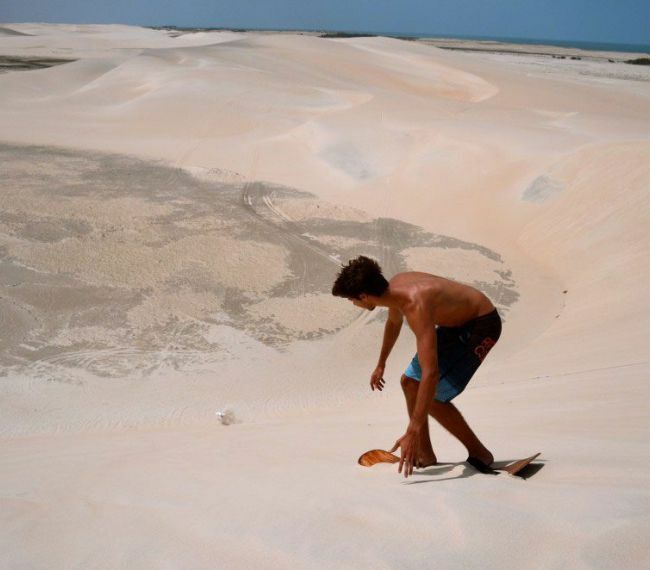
(461, 350)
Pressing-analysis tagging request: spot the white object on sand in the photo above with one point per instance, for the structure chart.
(226, 417)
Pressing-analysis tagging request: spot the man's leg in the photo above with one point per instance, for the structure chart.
(451, 419)
(426, 456)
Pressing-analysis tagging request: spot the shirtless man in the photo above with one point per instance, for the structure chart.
(455, 327)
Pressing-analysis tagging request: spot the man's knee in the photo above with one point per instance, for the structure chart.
(408, 384)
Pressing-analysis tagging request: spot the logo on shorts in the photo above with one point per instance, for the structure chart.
(482, 349)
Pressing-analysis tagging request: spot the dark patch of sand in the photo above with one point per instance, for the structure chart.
(20, 63)
(91, 314)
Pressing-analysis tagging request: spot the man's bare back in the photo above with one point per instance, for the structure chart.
(450, 303)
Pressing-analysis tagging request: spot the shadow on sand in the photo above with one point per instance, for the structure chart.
(468, 471)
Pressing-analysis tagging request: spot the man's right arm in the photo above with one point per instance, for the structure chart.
(391, 332)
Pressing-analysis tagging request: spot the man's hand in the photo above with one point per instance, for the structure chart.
(377, 378)
(410, 443)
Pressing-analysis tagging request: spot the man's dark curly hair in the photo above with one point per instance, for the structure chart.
(360, 275)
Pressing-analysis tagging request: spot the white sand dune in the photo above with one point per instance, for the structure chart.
(173, 211)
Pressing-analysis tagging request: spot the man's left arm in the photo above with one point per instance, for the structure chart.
(425, 333)
(428, 357)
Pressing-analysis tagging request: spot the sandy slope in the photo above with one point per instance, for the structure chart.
(172, 214)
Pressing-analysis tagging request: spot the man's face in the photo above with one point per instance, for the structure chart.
(363, 302)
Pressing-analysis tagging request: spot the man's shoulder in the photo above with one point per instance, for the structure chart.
(413, 278)
(421, 300)
(416, 283)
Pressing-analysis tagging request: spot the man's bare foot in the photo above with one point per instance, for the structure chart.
(426, 459)
(484, 456)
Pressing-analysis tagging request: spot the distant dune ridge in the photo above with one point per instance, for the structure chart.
(9, 32)
(173, 211)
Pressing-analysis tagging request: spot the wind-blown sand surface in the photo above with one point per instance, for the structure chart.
(173, 211)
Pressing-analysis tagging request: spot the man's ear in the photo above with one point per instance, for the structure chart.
(363, 296)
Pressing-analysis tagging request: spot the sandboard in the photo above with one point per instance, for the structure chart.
(517, 466)
(374, 456)
(370, 458)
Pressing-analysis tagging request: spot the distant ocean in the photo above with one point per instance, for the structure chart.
(591, 46)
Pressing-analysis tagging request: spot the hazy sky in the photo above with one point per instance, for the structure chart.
(620, 21)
